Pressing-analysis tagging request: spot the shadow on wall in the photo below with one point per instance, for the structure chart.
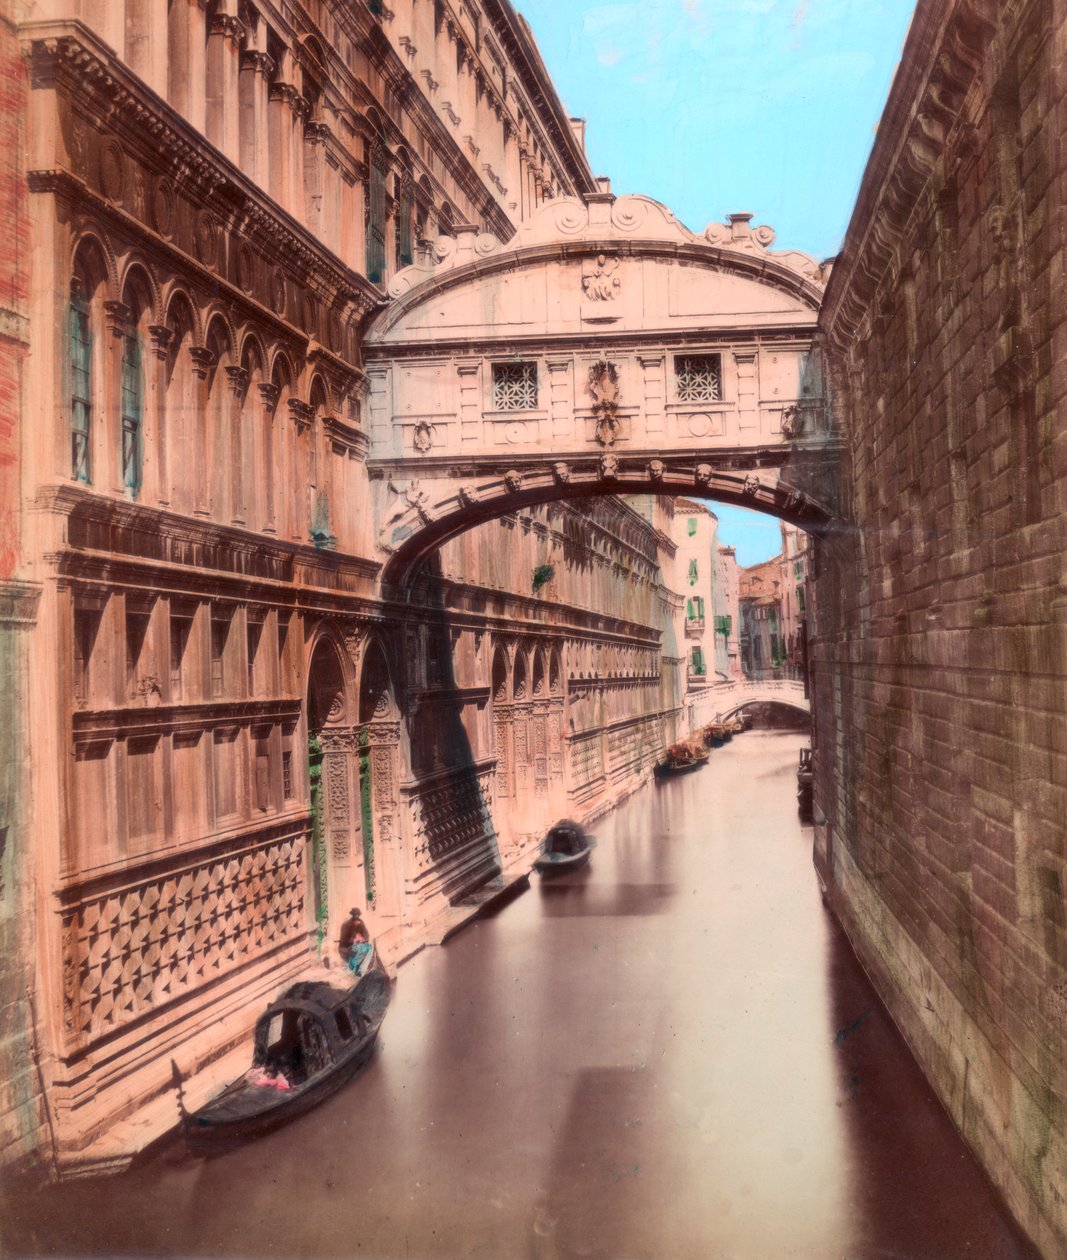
(456, 819)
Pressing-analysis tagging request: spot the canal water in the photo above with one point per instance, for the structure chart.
(670, 1054)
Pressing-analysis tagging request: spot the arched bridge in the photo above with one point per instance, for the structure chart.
(732, 697)
(605, 349)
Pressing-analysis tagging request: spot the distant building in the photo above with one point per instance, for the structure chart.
(727, 603)
(763, 651)
(793, 564)
(696, 567)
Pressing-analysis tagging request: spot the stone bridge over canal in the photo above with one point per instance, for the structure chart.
(605, 349)
(731, 698)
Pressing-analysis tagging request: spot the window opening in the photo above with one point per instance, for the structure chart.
(220, 633)
(514, 386)
(180, 629)
(132, 412)
(136, 632)
(699, 377)
(81, 388)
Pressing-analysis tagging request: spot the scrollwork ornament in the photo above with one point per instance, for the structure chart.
(206, 237)
(163, 207)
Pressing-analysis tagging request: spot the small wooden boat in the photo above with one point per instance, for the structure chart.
(308, 1043)
(715, 734)
(566, 848)
(680, 759)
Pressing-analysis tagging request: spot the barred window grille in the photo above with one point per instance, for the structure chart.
(699, 377)
(514, 386)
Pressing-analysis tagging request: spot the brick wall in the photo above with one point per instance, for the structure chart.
(941, 610)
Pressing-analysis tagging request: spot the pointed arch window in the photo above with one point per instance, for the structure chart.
(132, 394)
(81, 386)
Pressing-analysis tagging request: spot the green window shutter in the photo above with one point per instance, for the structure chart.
(404, 253)
(692, 573)
(689, 609)
(81, 389)
(376, 215)
(692, 526)
(132, 413)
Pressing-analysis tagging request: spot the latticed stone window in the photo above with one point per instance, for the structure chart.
(514, 386)
(699, 377)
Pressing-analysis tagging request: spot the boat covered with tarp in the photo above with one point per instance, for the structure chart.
(681, 758)
(567, 847)
(308, 1043)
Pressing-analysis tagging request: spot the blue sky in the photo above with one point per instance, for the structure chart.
(713, 106)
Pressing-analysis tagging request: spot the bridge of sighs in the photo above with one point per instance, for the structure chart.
(604, 349)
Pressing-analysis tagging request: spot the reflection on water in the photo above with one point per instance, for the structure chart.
(670, 1053)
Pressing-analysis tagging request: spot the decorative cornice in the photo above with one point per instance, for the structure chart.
(941, 60)
(70, 56)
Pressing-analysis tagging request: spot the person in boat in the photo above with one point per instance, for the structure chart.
(355, 943)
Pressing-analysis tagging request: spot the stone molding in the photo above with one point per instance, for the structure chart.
(597, 220)
(941, 61)
(71, 59)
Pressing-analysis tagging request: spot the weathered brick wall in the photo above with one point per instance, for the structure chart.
(941, 611)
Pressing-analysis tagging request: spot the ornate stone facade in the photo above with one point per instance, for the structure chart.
(237, 730)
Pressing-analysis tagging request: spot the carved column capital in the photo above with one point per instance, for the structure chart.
(257, 62)
(284, 92)
(269, 394)
(162, 337)
(237, 379)
(117, 318)
(301, 413)
(228, 26)
(203, 360)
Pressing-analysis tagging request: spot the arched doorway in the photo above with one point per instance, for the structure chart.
(331, 753)
(378, 741)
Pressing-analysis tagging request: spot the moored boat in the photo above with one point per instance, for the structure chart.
(566, 848)
(680, 759)
(307, 1044)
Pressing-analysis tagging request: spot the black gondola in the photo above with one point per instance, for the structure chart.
(308, 1043)
(566, 848)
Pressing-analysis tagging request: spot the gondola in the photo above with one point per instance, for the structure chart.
(308, 1043)
(680, 759)
(566, 848)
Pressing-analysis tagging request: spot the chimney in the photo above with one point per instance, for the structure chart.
(578, 127)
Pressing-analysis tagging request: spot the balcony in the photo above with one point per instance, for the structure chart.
(694, 627)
